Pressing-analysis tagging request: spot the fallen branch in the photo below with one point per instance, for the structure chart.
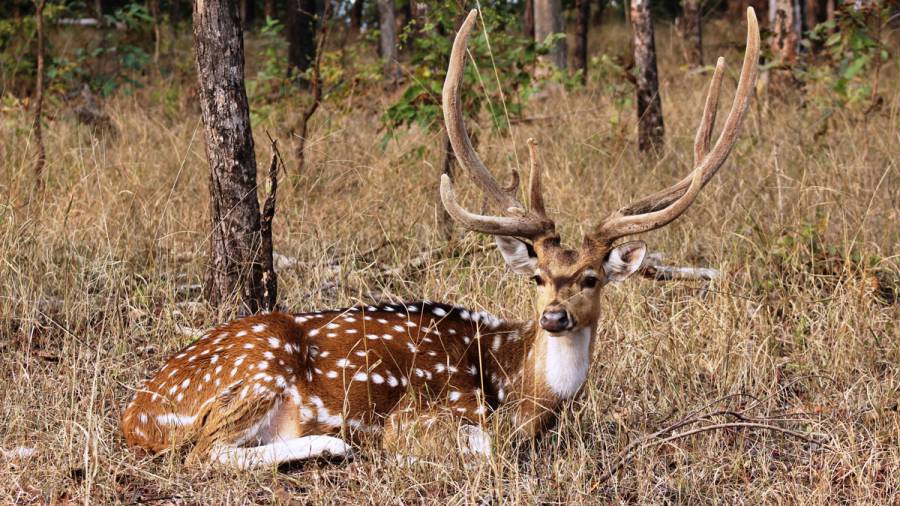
(652, 268)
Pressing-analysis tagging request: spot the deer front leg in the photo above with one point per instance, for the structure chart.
(438, 429)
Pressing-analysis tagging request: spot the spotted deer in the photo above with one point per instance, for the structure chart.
(277, 387)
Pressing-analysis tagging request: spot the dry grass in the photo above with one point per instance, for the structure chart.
(92, 277)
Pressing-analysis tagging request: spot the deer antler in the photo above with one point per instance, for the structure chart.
(659, 209)
(524, 223)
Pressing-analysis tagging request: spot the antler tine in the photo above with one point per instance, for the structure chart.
(456, 129)
(708, 121)
(536, 198)
(662, 207)
(527, 224)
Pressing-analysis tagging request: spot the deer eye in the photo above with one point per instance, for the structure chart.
(589, 281)
(539, 281)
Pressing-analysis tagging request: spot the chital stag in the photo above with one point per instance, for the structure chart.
(276, 387)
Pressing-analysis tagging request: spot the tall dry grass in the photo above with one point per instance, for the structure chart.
(96, 277)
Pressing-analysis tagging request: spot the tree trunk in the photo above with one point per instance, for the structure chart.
(690, 28)
(786, 26)
(598, 12)
(234, 269)
(388, 28)
(248, 13)
(301, 32)
(582, 25)
(39, 97)
(651, 130)
(548, 19)
(356, 13)
(269, 9)
(528, 20)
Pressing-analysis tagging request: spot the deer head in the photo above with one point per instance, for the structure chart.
(569, 281)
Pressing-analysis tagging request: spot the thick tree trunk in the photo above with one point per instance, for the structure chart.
(388, 28)
(548, 19)
(234, 269)
(528, 20)
(356, 13)
(690, 28)
(582, 25)
(651, 130)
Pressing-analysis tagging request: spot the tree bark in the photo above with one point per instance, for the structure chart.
(548, 19)
(598, 12)
(356, 13)
(690, 28)
(651, 131)
(528, 20)
(269, 9)
(301, 32)
(388, 28)
(786, 25)
(582, 26)
(234, 270)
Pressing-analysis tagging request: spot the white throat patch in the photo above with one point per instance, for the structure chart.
(567, 362)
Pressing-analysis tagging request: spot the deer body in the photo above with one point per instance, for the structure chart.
(274, 388)
(278, 378)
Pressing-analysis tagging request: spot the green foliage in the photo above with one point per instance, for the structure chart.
(18, 48)
(853, 50)
(275, 77)
(499, 81)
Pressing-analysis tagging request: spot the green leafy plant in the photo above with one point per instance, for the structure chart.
(854, 53)
(499, 81)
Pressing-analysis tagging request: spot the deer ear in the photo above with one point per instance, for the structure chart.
(623, 260)
(519, 255)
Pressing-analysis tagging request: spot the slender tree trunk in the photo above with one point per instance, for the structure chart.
(582, 25)
(388, 28)
(248, 13)
(269, 9)
(301, 33)
(153, 9)
(651, 130)
(528, 19)
(39, 97)
(234, 269)
(690, 28)
(356, 13)
(785, 28)
(598, 12)
(548, 19)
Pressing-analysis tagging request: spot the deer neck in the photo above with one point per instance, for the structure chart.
(530, 363)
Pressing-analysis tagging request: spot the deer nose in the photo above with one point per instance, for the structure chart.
(556, 320)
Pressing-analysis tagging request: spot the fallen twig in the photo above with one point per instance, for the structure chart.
(657, 438)
(653, 268)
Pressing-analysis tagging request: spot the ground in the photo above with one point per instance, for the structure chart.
(99, 278)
